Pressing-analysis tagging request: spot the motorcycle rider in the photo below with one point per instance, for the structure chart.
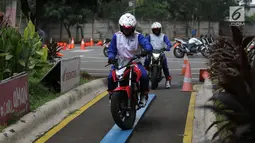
(125, 45)
(158, 41)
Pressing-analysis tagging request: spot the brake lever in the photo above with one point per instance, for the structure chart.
(107, 65)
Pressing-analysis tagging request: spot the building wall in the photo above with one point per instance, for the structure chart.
(106, 28)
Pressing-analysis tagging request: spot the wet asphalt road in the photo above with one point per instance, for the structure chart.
(164, 121)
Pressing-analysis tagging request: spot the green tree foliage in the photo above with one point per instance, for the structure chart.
(250, 19)
(113, 10)
(185, 10)
(68, 14)
(153, 10)
(20, 53)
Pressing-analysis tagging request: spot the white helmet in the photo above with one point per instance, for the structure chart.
(127, 20)
(156, 25)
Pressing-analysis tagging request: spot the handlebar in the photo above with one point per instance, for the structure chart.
(130, 61)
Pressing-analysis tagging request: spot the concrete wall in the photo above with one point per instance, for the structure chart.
(106, 28)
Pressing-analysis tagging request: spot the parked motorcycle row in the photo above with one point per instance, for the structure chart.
(250, 50)
(190, 46)
(193, 46)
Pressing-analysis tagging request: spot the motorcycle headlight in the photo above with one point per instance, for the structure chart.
(155, 55)
(120, 73)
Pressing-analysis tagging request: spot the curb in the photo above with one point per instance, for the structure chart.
(36, 123)
(203, 118)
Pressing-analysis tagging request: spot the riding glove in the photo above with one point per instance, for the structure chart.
(144, 53)
(111, 61)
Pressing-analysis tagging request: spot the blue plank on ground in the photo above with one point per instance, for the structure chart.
(117, 135)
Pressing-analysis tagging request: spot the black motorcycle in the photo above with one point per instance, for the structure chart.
(106, 45)
(156, 64)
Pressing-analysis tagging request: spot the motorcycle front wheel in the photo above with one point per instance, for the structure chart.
(178, 53)
(205, 52)
(119, 109)
(105, 51)
(251, 57)
(154, 77)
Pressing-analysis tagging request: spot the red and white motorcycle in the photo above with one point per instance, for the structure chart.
(124, 100)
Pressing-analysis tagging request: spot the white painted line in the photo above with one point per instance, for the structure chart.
(195, 78)
(81, 51)
(195, 73)
(191, 62)
(109, 69)
(95, 69)
(181, 69)
(105, 73)
(85, 57)
(169, 59)
(105, 61)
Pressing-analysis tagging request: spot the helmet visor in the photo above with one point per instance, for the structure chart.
(127, 30)
(156, 30)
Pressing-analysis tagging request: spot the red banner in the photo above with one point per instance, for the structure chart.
(14, 101)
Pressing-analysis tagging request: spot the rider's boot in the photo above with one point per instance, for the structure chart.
(168, 82)
(143, 99)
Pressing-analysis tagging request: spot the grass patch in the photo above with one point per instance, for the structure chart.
(39, 94)
(2, 127)
(85, 77)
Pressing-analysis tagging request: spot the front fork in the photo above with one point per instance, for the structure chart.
(130, 85)
(160, 64)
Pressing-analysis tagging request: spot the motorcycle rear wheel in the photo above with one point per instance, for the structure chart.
(117, 101)
(105, 51)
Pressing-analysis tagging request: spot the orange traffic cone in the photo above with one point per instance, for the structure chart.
(91, 42)
(69, 44)
(60, 54)
(187, 85)
(99, 43)
(82, 44)
(72, 44)
(184, 65)
(87, 44)
(64, 47)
